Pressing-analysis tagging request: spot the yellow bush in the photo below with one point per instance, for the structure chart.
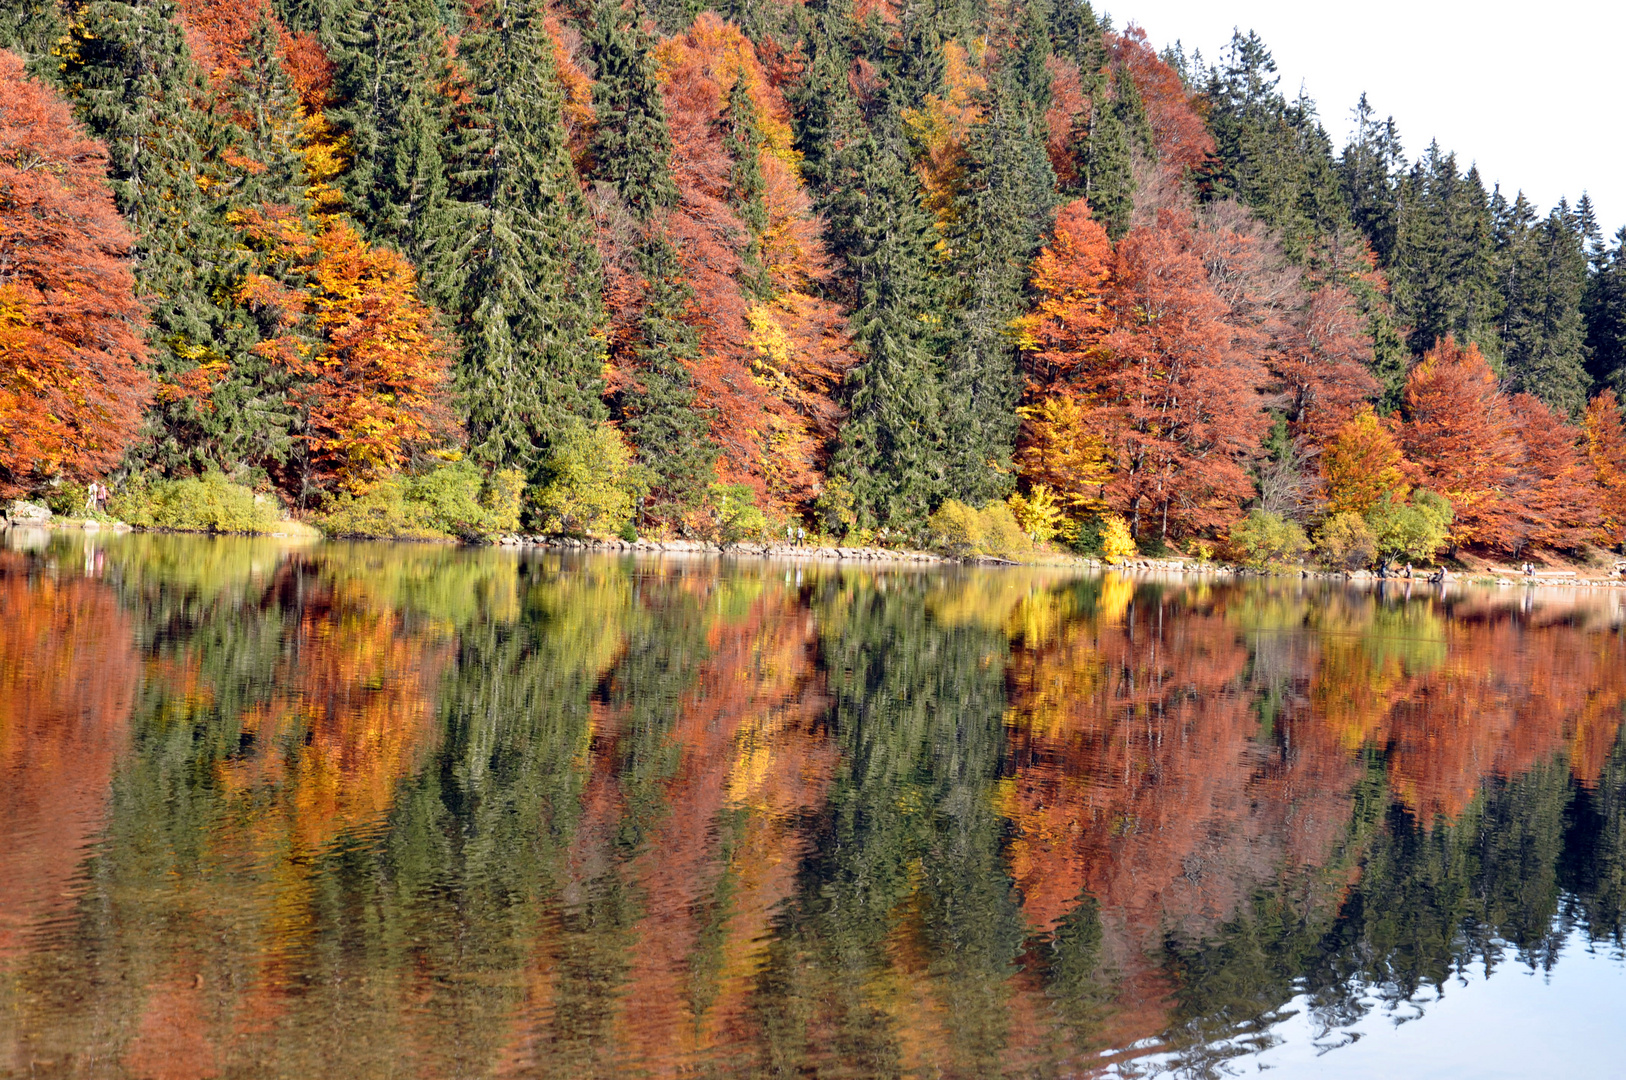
(1001, 535)
(956, 528)
(1038, 513)
(1116, 542)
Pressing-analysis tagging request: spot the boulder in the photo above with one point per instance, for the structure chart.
(27, 513)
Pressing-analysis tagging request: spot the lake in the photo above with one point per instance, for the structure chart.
(270, 810)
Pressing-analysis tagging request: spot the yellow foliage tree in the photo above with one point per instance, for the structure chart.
(1062, 453)
(1363, 466)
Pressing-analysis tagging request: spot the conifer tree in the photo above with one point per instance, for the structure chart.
(1272, 154)
(530, 313)
(891, 458)
(136, 88)
(1543, 272)
(747, 187)
(389, 108)
(1604, 309)
(632, 152)
(1443, 271)
(1369, 171)
(1002, 214)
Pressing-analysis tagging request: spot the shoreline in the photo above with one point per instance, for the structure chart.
(1487, 577)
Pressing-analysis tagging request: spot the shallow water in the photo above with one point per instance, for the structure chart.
(410, 811)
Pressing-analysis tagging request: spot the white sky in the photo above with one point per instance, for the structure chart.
(1535, 93)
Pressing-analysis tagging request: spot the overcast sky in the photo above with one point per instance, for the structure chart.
(1533, 92)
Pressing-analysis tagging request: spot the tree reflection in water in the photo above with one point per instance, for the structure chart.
(418, 811)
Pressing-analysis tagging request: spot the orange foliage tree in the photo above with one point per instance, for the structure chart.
(1606, 448)
(1363, 465)
(71, 384)
(1070, 276)
(1460, 432)
(370, 368)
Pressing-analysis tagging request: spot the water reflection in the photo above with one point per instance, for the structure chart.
(415, 811)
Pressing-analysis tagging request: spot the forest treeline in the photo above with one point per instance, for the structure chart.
(609, 266)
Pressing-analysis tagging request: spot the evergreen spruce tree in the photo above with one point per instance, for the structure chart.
(747, 187)
(1370, 170)
(1272, 154)
(32, 29)
(1604, 309)
(1106, 139)
(389, 62)
(891, 459)
(1077, 34)
(632, 152)
(136, 87)
(530, 312)
(1543, 273)
(1000, 220)
(1443, 272)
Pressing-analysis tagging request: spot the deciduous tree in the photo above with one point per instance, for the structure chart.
(71, 349)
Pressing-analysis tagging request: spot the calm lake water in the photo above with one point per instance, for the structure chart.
(406, 811)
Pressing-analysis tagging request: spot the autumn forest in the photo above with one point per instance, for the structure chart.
(645, 266)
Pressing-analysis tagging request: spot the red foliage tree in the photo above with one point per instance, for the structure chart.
(1556, 497)
(1178, 131)
(1460, 432)
(71, 384)
(1070, 277)
(1606, 449)
(1177, 397)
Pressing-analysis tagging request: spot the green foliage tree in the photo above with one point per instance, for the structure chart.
(1345, 541)
(1415, 530)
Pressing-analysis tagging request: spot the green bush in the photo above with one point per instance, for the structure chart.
(957, 529)
(1262, 539)
(457, 501)
(591, 484)
(67, 498)
(208, 503)
(1345, 542)
(738, 516)
(1414, 531)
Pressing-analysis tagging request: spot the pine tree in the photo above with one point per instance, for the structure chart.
(530, 314)
(136, 88)
(1443, 271)
(1001, 217)
(31, 29)
(1272, 154)
(747, 187)
(1370, 170)
(891, 459)
(1106, 139)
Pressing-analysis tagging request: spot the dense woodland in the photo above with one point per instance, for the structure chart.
(841, 264)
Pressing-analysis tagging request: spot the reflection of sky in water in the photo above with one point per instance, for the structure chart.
(1518, 1023)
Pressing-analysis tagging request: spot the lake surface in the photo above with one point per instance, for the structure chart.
(409, 811)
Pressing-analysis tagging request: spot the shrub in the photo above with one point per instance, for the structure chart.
(1001, 535)
(1413, 531)
(738, 516)
(1263, 538)
(67, 498)
(1345, 542)
(457, 501)
(208, 503)
(1038, 513)
(591, 484)
(955, 528)
(1117, 543)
